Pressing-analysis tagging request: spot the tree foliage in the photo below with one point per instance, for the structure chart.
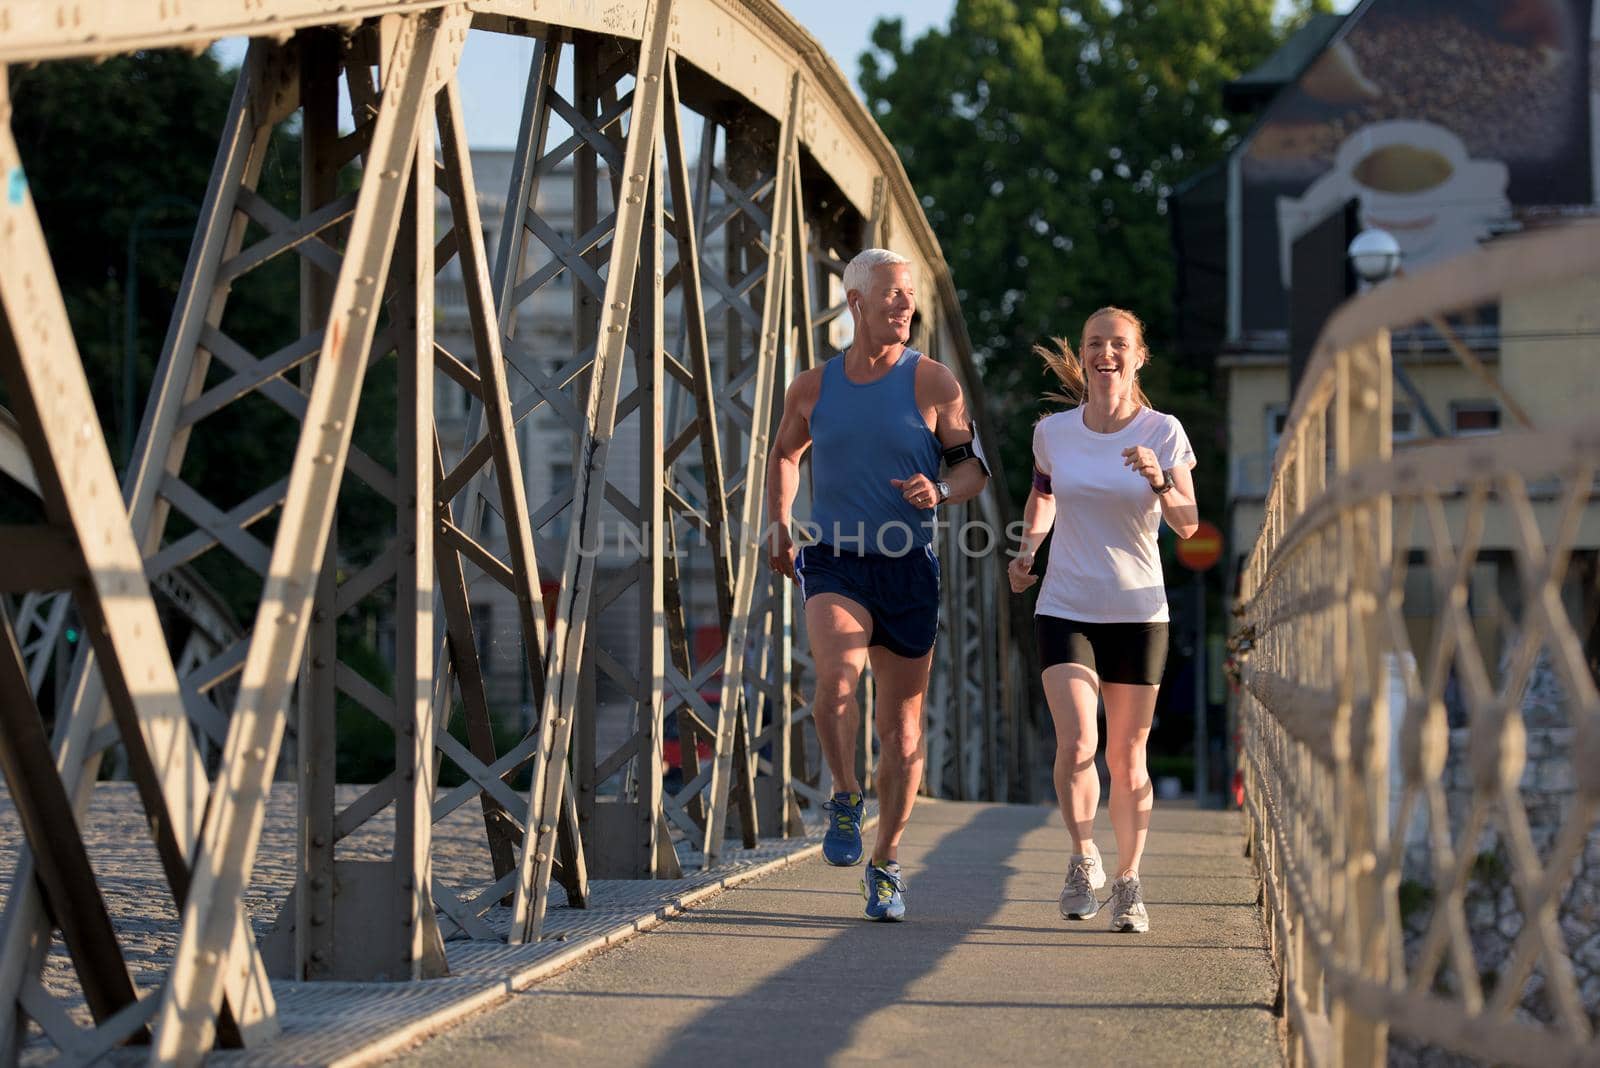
(132, 139)
(1045, 139)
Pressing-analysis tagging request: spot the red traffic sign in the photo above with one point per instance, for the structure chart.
(1201, 551)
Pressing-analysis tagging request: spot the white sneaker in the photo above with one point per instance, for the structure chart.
(1127, 906)
(1085, 875)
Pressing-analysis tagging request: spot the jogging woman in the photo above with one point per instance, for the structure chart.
(1106, 473)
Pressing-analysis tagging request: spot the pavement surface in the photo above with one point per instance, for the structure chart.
(784, 971)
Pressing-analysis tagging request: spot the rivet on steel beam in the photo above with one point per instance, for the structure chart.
(288, 619)
(318, 956)
(209, 958)
(316, 919)
(540, 857)
(259, 752)
(545, 828)
(318, 882)
(319, 840)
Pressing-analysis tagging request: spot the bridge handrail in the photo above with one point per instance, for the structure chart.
(1373, 823)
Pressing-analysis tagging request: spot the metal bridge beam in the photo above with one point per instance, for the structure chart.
(738, 240)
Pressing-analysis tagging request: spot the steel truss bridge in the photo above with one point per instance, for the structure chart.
(720, 166)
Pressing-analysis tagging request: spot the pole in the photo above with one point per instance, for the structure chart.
(1202, 776)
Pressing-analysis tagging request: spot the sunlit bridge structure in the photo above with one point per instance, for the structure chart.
(720, 172)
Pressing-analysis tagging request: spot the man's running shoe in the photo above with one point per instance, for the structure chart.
(1085, 875)
(841, 846)
(1127, 906)
(885, 892)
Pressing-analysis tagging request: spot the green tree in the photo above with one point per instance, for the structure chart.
(134, 138)
(1044, 139)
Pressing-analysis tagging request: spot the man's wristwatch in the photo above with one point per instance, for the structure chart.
(1166, 486)
(944, 491)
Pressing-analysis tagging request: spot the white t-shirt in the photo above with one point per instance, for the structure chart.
(1104, 566)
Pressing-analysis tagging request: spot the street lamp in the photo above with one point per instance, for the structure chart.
(1375, 255)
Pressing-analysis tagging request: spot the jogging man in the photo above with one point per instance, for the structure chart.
(880, 420)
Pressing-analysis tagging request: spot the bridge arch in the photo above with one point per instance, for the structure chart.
(715, 171)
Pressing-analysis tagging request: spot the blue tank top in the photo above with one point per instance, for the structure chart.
(863, 435)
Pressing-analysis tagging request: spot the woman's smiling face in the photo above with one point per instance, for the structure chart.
(1113, 352)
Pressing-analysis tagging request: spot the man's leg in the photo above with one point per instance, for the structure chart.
(901, 686)
(838, 629)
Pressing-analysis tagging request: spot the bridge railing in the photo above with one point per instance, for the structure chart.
(716, 171)
(1418, 723)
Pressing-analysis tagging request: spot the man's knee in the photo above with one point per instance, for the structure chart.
(902, 746)
(836, 691)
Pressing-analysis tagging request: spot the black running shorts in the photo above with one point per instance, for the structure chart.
(1133, 653)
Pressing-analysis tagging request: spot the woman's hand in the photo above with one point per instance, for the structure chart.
(1020, 572)
(1144, 461)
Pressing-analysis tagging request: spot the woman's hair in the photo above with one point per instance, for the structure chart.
(1068, 368)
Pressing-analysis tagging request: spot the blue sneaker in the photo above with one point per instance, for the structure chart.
(841, 846)
(884, 889)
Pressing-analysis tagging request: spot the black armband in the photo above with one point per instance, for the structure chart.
(958, 454)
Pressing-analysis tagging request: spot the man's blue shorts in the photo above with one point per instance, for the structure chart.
(900, 593)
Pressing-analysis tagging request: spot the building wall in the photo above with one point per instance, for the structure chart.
(1540, 333)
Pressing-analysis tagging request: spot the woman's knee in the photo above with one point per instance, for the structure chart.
(1077, 751)
(1127, 765)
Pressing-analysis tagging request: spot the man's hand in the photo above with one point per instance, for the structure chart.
(1020, 572)
(780, 551)
(918, 490)
(1144, 461)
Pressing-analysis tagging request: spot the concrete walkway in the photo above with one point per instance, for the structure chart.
(782, 971)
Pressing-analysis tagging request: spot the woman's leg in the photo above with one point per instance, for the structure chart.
(1129, 711)
(1072, 691)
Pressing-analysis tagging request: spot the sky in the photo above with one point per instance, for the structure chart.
(492, 62)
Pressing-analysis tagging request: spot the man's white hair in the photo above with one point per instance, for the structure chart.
(858, 272)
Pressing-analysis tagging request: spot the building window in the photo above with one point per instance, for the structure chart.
(1403, 424)
(490, 527)
(560, 485)
(1474, 417)
(482, 628)
(1277, 419)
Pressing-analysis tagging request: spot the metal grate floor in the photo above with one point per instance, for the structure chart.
(343, 1023)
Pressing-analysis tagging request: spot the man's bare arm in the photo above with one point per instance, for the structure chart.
(789, 445)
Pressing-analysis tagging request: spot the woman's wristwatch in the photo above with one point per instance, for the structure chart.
(1167, 484)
